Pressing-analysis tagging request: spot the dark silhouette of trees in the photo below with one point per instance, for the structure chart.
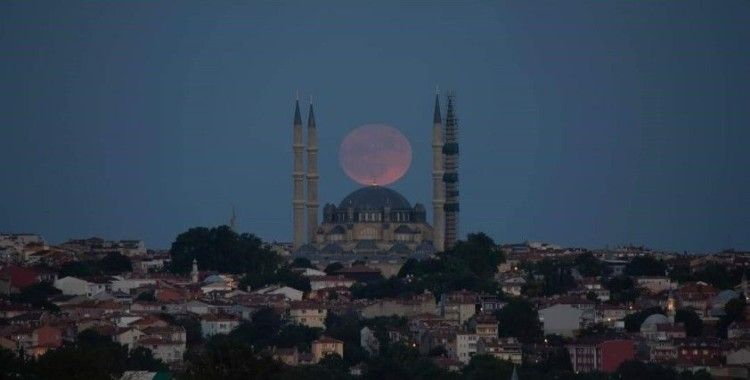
(692, 322)
(518, 319)
(645, 266)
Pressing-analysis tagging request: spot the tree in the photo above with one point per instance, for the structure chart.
(622, 289)
(485, 367)
(299, 336)
(480, 253)
(280, 276)
(37, 295)
(223, 250)
(78, 269)
(115, 263)
(590, 266)
(302, 262)
(261, 331)
(734, 311)
(333, 268)
(93, 356)
(347, 328)
(229, 359)
(645, 266)
(636, 370)
(693, 323)
(518, 319)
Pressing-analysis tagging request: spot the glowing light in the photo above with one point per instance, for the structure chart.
(375, 154)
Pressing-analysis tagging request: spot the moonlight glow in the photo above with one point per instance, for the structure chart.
(375, 154)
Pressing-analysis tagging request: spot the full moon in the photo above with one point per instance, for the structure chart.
(375, 154)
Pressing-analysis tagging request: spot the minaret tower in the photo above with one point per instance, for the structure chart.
(194, 272)
(671, 307)
(312, 175)
(450, 153)
(298, 175)
(438, 187)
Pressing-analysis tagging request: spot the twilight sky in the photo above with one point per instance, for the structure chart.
(581, 123)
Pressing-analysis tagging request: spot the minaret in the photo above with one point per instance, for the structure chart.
(438, 187)
(194, 272)
(312, 175)
(450, 153)
(298, 199)
(744, 287)
(671, 307)
(233, 220)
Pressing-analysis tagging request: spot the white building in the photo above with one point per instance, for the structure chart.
(288, 292)
(466, 346)
(72, 286)
(560, 319)
(218, 324)
(308, 314)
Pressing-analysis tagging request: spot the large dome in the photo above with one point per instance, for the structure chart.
(375, 198)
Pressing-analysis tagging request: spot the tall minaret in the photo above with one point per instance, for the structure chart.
(450, 153)
(312, 175)
(438, 187)
(298, 198)
(194, 272)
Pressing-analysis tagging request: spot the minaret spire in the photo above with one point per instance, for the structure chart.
(450, 153)
(438, 188)
(298, 175)
(312, 175)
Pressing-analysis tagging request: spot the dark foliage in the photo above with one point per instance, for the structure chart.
(693, 323)
(518, 319)
(221, 249)
(645, 266)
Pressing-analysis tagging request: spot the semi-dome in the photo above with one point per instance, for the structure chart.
(375, 198)
(654, 319)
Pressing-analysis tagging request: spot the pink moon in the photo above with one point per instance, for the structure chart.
(375, 154)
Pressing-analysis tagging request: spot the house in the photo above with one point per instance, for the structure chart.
(738, 329)
(360, 273)
(127, 285)
(655, 284)
(288, 292)
(127, 336)
(306, 313)
(484, 325)
(212, 324)
(170, 352)
(465, 346)
(600, 356)
(323, 282)
(504, 349)
(513, 285)
(458, 306)
(738, 357)
(14, 278)
(404, 307)
(78, 287)
(561, 319)
(696, 295)
(288, 356)
(326, 346)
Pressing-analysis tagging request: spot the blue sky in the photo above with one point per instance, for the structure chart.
(581, 123)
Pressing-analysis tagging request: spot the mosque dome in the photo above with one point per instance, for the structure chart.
(654, 319)
(375, 198)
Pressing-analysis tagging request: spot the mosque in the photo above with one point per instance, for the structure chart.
(375, 224)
